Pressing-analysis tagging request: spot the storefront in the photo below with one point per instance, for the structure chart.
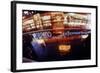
(57, 35)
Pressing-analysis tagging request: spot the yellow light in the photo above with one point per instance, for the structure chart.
(64, 49)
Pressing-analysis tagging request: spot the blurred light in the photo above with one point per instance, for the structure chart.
(84, 36)
(25, 12)
(71, 14)
(32, 12)
(41, 41)
(23, 17)
(64, 49)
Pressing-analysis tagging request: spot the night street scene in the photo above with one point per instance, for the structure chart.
(55, 36)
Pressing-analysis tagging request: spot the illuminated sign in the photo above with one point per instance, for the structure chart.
(48, 34)
(40, 35)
